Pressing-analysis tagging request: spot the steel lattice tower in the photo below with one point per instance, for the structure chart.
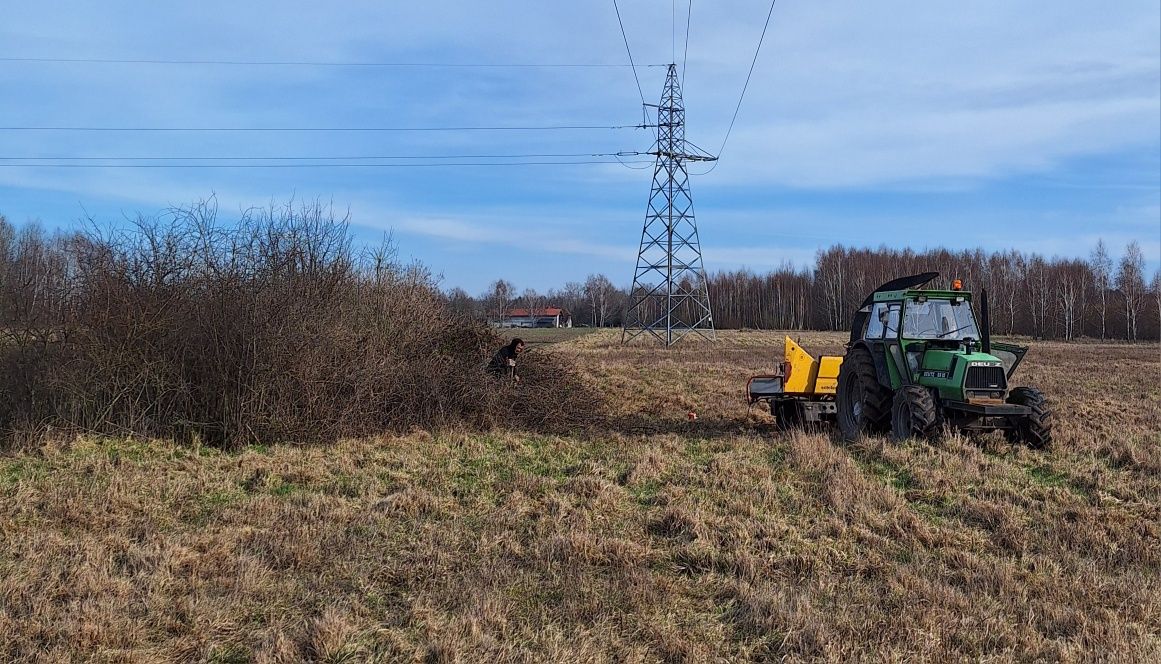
(670, 298)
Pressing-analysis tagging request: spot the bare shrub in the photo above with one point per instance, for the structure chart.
(273, 328)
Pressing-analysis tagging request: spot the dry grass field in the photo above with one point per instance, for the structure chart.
(646, 538)
(548, 335)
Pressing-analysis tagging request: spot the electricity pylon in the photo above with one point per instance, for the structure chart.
(670, 298)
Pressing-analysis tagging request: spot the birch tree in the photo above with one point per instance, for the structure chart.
(1102, 267)
(1131, 284)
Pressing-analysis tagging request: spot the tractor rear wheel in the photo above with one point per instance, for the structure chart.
(913, 413)
(787, 414)
(863, 403)
(1035, 430)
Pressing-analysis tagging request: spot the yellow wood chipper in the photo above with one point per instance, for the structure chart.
(801, 391)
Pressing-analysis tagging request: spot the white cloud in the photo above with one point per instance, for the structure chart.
(846, 94)
(496, 232)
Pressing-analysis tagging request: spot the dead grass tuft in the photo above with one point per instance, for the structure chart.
(331, 638)
(675, 523)
(410, 502)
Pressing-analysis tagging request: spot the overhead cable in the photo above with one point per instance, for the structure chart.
(635, 168)
(323, 129)
(685, 55)
(748, 75)
(630, 52)
(325, 165)
(622, 153)
(310, 63)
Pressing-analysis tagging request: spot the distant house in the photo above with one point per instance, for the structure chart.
(546, 317)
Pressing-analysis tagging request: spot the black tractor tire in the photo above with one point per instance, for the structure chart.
(914, 413)
(1035, 430)
(787, 414)
(863, 404)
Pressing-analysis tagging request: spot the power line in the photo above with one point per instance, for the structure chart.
(630, 52)
(328, 165)
(623, 153)
(335, 129)
(747, 83)
(309, 63)
(685, 56)
(649, 164)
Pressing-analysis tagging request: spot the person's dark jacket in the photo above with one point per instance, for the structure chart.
(504, 362)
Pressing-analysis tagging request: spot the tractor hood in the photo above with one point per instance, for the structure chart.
(945, 359)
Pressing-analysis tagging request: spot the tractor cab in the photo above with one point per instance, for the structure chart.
(939, 318)
(936, 318)
(935, 339)
(931, 328)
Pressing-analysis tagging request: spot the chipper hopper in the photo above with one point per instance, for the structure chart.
(916, 362)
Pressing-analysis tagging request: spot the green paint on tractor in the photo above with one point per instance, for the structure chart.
(919, 360)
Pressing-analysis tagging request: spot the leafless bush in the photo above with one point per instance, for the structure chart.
(273, 328)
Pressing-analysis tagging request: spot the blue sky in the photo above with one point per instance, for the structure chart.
(1034, 125)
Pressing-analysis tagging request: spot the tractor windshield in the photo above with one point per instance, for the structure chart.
(926, 318)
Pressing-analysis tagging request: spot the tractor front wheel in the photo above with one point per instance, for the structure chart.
(863, 403)
(1035, 430)
(913, 413)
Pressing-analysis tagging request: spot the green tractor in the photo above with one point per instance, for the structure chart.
(917, 361)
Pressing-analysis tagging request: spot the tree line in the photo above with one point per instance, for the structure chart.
(1102, 296)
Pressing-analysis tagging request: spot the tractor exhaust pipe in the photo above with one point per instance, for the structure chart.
(986, 319)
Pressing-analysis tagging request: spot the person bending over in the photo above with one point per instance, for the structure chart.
(504, 361)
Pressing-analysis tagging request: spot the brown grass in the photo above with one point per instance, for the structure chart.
(649, 539)
(537, 336)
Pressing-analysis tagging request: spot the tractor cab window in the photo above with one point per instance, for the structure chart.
(884, 321)
(939, 319)
(892, 320)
